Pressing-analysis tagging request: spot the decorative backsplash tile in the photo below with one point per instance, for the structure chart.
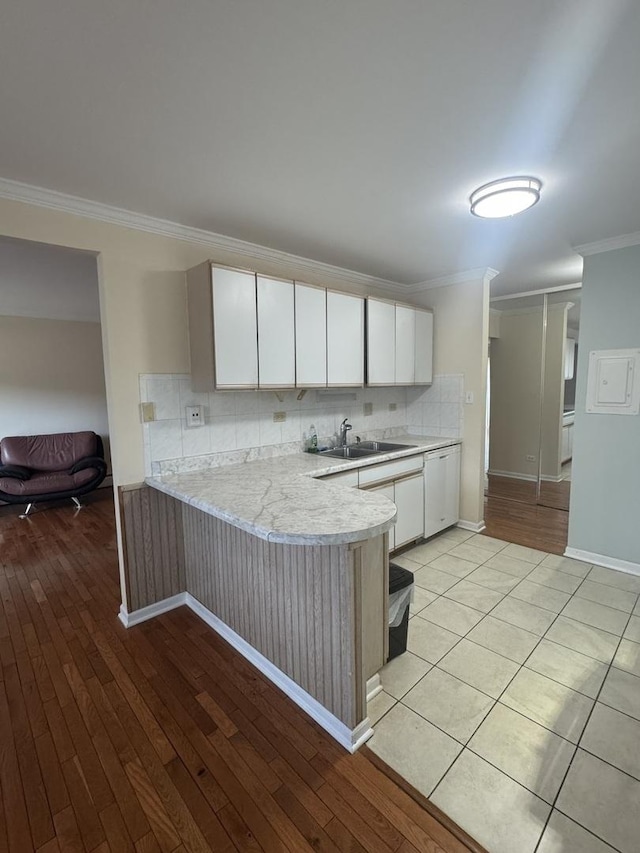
(239, 425)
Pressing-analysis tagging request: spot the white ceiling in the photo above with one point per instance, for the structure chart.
(348, 131)
(47, 282)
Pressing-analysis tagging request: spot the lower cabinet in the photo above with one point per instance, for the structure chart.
(409, 499)
(388, 491)
(441, 489)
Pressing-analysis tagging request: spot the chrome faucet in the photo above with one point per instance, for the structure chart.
(345, 426)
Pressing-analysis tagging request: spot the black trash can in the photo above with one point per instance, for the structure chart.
(400, 588)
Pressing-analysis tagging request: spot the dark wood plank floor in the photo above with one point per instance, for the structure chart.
(161, 738)
(534, 526)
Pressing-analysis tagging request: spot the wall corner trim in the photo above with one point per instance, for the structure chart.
(475, 526)
(156, 609)
(625, 566)
(608, 245)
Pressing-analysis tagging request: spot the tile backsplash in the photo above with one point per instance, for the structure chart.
(239, 425)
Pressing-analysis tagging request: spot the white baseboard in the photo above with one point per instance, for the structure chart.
(513, 475)
(474, 526)
(602, 560)
(374, 686)
(144, 613)
(350, 739)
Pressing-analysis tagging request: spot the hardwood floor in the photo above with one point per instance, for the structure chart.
(161, 737)
(534, 526)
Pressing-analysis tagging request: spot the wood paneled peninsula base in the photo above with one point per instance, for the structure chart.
(292, 571)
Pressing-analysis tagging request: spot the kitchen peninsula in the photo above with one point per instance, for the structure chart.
(291, 570)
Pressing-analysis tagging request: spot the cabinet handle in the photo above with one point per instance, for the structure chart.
(446, 456)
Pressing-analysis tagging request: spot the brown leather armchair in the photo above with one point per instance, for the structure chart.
(36, 468)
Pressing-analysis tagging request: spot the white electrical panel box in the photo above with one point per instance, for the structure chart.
(613, 382)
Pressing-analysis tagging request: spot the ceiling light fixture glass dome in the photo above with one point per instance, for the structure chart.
(505, 197)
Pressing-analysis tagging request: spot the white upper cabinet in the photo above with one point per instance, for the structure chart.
(235, 328)
(405, 345)
(276, 335)
(311, 336)
(381, 342)
(424, 347)
(399, 344)
(345, 340)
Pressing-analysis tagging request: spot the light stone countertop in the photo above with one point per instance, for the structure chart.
(281, 500)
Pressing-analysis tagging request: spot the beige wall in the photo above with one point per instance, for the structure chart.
(461, 338)
(51, 377)
(515, 393)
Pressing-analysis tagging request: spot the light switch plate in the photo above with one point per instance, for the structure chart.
(279, 417)
(147, 412)
(368, 409)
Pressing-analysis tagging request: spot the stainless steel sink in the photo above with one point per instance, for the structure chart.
(384, 446)
(352, 451)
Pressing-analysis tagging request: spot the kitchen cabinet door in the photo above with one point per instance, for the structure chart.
(409, 499)
(423, 348)
(405, 345)
(311, 336)
(276, 333)
(441, 489)
(387, 491)
(345, 340)
(381, 342)
(235, 328)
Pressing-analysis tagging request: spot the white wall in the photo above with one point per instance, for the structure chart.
(51, 377)
(51, 363)
(605, 479)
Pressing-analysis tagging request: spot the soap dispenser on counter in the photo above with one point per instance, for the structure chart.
(312, 440)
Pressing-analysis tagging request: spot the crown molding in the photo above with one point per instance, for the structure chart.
(296, 265)
(608, 245)
(485, 273)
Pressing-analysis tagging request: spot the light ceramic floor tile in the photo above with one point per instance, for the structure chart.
(504, 639)
(555, 579)
(426, 552)
(604, 800)
(493, 579)
(636, 609)
(434, 580)
(552, 705)
(455, 535)
(502, 562)
(621, 690)
(632, 631)
(429, 641)
(481, 668)
(565, 564)
(402, 673)
(406, 563)
(473, 553)
(564, 835)
(613, 737)
(378, 706)
(611, 577)
(498, 812)
(628, 657)
(451, 615)
(530, 555)
(583, 638)
(541, 596)
(523, 615)
(596, 615)
(449, 704)
(524, 750)
(421, 597)
(474, 595)
(453, 565)
(574, 670)
(609, 595)
(489, 543)
(414, 748)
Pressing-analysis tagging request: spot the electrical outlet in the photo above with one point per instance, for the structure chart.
(279, 417)
(530, 457)
(147, 412)
(393, 407)
(194, 416)
(368, 409)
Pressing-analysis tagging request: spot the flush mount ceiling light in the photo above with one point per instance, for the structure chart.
(505, 197)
